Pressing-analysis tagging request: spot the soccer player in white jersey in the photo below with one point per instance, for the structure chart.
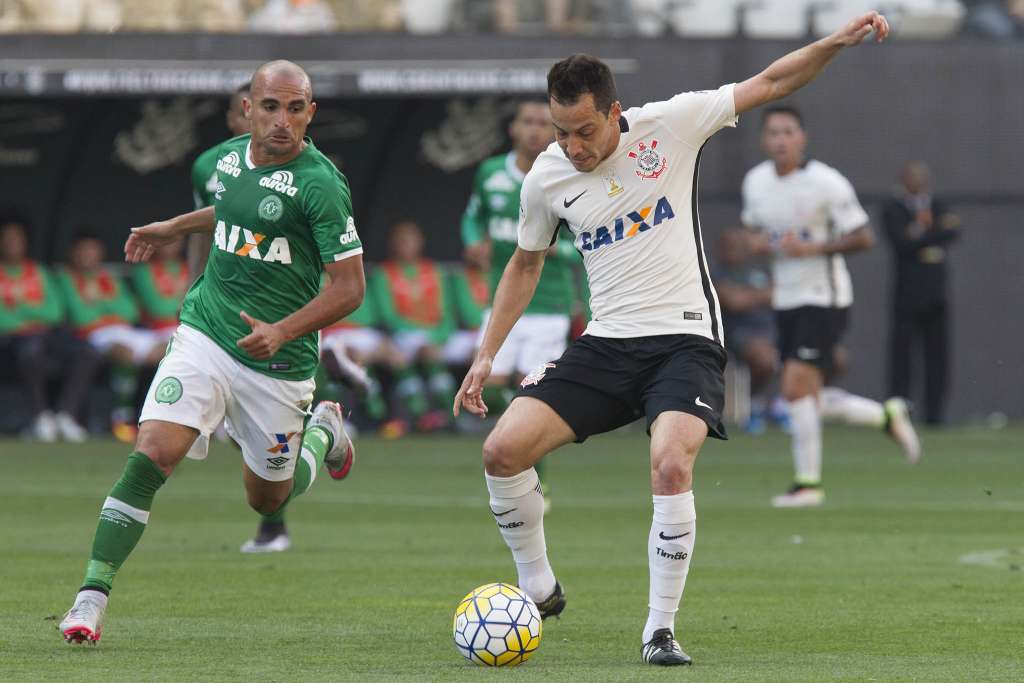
(625, 184)
(806, 215)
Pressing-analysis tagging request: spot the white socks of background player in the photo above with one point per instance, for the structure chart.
(669, 548)
(805, 419)
(839, 404)
(518, 507)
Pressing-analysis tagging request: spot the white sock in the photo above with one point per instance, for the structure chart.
(806, 421)
(839, 404)
(518, 507)
(669, 547)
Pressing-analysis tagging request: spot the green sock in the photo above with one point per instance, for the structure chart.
(442, 386)
(124, 380)
(122, 520)
(316, 443)
(410, 390)
(497, 398)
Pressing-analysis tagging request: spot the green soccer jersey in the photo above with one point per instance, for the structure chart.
(493, 212)
(275, 228)
(204, 177)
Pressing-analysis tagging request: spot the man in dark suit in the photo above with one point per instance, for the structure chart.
(920, 228)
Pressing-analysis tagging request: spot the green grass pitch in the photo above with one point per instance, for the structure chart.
(873, 586)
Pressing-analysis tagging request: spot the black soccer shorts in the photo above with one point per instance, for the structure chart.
(811, 333)
(600, 384)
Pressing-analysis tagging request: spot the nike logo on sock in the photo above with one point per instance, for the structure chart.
(502, 514)
(663, 537)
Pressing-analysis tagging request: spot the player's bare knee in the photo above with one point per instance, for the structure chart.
(501, 456)
(672, 475)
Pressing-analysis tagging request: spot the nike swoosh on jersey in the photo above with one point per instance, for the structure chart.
(569, 202)
(702, 404)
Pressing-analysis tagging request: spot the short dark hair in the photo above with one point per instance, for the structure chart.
(244, 88)
(787, 109)
(579, 74)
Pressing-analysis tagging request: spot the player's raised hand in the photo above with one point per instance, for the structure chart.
(264, 340)
(143, 242)
(861, 27)
(470, 393)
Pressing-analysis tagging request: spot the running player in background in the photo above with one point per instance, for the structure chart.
(282, 216)
(625, 184)
(489, 237)
(807, 217)
(205, 181)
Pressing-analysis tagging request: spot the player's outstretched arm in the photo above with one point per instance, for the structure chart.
(792, 72)
(342, 295)
(514, 292)
(142, 242)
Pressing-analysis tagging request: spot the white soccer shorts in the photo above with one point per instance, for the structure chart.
(198, 384)
(139, 341)
(536, 338)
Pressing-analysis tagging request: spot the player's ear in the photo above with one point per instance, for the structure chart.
(246, 108)
(615, 112)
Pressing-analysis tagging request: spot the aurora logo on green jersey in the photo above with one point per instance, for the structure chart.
(280, 181)
(270, 208)
(230, 163)
(244, 242)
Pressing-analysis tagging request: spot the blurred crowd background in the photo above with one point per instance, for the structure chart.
(699, 18)
(99, 133)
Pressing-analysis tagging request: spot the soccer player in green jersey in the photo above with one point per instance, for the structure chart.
(246, 349)
(204, 181)
(492, 216)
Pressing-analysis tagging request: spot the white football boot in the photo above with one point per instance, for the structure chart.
(84, 621)
(901, 429)
(800, 497)
(339, 459)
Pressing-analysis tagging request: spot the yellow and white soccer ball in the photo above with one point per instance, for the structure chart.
(497, 625)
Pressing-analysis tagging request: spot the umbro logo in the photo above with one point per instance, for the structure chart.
(277, 463)
(569, 202)
(280, 181)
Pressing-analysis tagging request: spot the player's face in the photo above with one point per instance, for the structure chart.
(13, 244)
(279, 110)
(235, 118)
(783, 139)
(406, 243)
(587, 137)
(531, 129)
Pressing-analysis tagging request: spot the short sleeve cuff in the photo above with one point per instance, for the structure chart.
(328, 258)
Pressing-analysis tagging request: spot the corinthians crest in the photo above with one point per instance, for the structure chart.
(649, 162)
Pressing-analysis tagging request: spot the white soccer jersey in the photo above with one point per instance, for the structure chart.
(634, 219)
(816, 203)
